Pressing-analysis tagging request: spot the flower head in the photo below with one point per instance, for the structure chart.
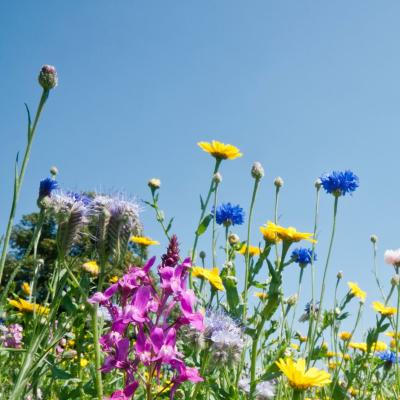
(11, 336)
(265, 390)
(383, 310)
(220, 150)
(308, 309)
(48, 77)
(143, 240)
(289, 234)
(339, 183)
(257, 170)
(92, 267)
(25, 306)
(389, 357)
(356, 291)
(392, 257)
(300, 378)
(253, 250)
(26, 288)
(303, 256)
(345, 336)
(228, 214)
(211, 275)
(47, 186)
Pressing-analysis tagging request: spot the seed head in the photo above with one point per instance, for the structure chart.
(395, 281)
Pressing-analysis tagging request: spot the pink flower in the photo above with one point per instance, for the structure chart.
(392, 257)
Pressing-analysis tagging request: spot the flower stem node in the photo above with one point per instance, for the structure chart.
(257, 170)
(48, 77)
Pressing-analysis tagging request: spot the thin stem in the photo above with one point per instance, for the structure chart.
(214, 223)
(396, 334)
(19, 180)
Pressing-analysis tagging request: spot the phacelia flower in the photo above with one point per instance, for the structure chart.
(253, 250)
(289, 234)
(48, 77)
(301, 379)
(339, 183)
(383, 310)
(303, 256)
(11, 336)
(265, 390)
(392, 257)
(25, 306)
(211, 275)
(220, 150)
(356, 291)
(92, 267)
(47, 186)
(224, 336)
(143, 240)
(227, 214)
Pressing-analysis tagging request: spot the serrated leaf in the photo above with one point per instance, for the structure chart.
(204, 224)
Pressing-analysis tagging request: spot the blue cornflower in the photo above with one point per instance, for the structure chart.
(340, 182)
(307, 311)
(303, 256)
(47, 186)
(227, 214)
(389, 357)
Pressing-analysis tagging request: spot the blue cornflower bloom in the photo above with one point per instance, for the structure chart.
(307, 311)
(227, 214)
(340, 182)
(303, 256)
(389, 357)
(47, 186)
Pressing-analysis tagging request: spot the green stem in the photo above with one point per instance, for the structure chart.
(214, 222)
(396, 334)
(18, 181)
(298, 395)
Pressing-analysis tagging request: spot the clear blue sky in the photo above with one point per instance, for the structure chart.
(302, 86)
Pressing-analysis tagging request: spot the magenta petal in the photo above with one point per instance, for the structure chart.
(122, 349)
(98, 297)
(142, 298)
(157, 338)
(171, 337)
(149, 264)
(130, 390)
(109, 292)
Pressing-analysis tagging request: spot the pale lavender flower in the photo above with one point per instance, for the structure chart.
(265, 390)
(11, 336)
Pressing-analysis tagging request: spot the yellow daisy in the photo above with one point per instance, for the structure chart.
(345, 336)
(253, 250)
(383, 310)
(356, 291)
(143, 240)
(211, 275)
(261, 295)
(299, 378)
(25, 306)
(26, 288)
(92, 267)
(220, 150)
(289, 234)
(114, 279)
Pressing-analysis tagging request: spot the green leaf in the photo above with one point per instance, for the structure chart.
(60, 374)
(204, 224)
(29, 122)
(169, 224)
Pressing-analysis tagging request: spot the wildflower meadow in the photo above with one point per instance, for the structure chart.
(89, 311)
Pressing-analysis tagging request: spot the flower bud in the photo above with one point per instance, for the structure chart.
(233, 239)
(217, 178)
(339, 275)
(373, 239)
(229, 264)
(154, 183)
(395, 280)
(202, 255)
(257, 170)
(53, 171)
(278, 182)
(292, 300)
(48, 77)
(288, 352)
(318, 184)
(337, 311)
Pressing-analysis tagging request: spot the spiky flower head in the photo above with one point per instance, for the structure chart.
(392, 257)
(389, 357)
(265, 390)
(171, 257)
(395, 280)
(318, 184)
(303, 256)
(257, 171)
(308, 309)
(339, 183)
(227, 214)
(233, 239)
(339, 275)
(48, 77)
(224, 336)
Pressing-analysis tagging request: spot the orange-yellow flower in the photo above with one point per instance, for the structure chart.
(220, 150)
(143, 240)
(356, 291)
(273, 233)
(253, 250)
(26, 288)
(211, 275)
(345, 336)
(92, 267)
(261, 295)
(299, 378)
(25, 306)
(383, 310)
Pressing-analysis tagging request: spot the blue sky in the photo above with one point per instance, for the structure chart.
(304, 87)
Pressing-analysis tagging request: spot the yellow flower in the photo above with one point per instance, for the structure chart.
(299, 378)
(382, 309)
(346, 357)
(114, 279)
(143, 240)
(330, 354)
(25, 306)
(332, 365)
(253, 250)
(220, 150)
(392, 334)
(302, 339)
(294, 346)
(345, 336)
(358, 346)
(71, 343)
(356, 291)
(211, 276)
(91, 267)
(261, 295)
(26, 288)
(273, 233)
(84, 362)
(377, 346)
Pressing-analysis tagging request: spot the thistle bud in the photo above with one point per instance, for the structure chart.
(233, 239)
(373, 239)
(339, 275)
(278, 182)
(48, 77)
(53, 171)
(318, 184)
(154, 184)
(202, 255)
(217, 178)
(257, 170)
(395, 281)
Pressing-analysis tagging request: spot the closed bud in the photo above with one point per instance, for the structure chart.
(154, 183)
(233, 239)
(202, 255)
(373, 239)
(278, 182)
(53, 171)
(292, 300)
(395, 280)
(48, 77)
(339, 275)
(217, 178)
(318, 184)
(257, 170)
